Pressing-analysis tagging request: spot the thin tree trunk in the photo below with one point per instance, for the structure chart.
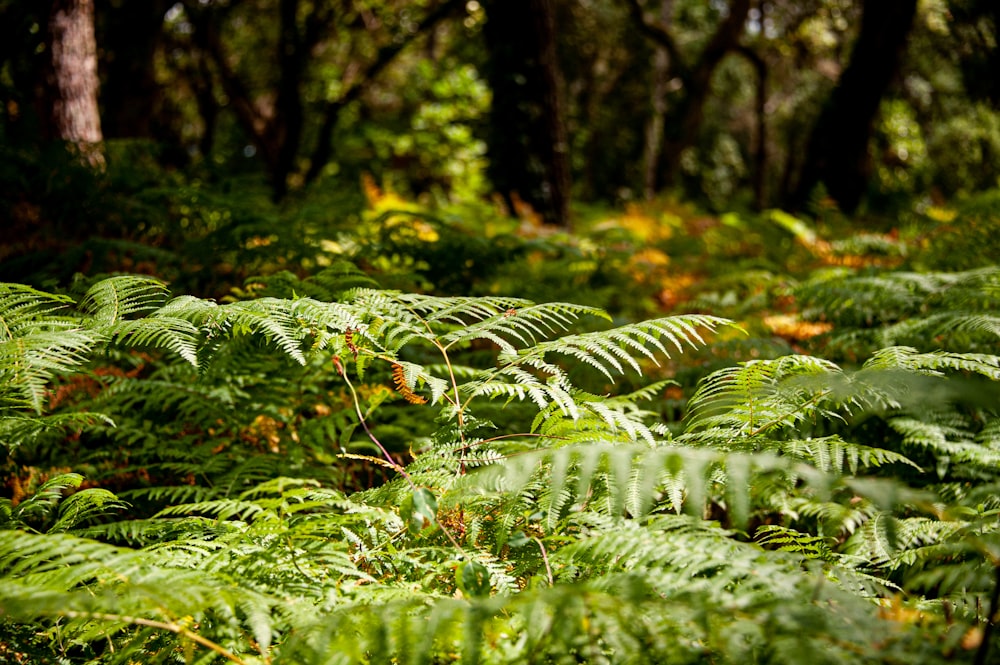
(285, 128)
(653, 145)
(556, 149)
(837, 152)
(74, 115)
(130, 95)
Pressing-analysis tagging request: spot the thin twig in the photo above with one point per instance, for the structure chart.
(545, 559)
(176, 628)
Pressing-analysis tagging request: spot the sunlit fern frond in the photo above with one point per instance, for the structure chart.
(116, 299)
(889, 543)
(17, 429)
(28, 363)
(761, 395)
(523, 327)
(270, 318)
(955, 311)
(698, 592)
(23, 309)
(784, 539)
(935, 362)
(948, 437)
(619, 348)
(39, 339)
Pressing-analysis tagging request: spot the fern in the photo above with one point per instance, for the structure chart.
(360, 476)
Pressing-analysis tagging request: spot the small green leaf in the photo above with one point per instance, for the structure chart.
(518, 539)
(473, 579)
(419, 510)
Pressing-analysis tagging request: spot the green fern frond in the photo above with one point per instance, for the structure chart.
(41, 504)
(761, 395)
(524, 326)
(22, 430)
(773, 536)
(621, 347)
(834, 454)
(28, 363)
(115, 299)
(615, 474)
(85, 582)
(23, 309)
(173, 334)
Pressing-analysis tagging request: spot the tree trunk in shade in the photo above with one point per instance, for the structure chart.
(837, 152)
(129, 33)
(653, 144)
(527, 144)
(74, 83)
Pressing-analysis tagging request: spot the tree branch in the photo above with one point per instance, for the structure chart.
(206, 35)
(725, 39)
(658, 33)
(385, 56)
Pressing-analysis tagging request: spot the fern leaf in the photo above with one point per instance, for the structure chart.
(113, 300)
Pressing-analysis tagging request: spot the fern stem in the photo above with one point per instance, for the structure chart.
(459, 407)
(775, 421)
(396, 466)
(545, 560)
(361, 418)
(175, 628)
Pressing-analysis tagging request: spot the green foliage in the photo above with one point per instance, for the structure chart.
(333, 473)
(966, 151)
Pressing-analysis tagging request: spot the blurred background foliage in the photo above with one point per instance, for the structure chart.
(251, 147)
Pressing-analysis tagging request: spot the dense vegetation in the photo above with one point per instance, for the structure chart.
(380, 332)
(316, 469)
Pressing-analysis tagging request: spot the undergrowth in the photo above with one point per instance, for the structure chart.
(752, 438)
(321, 471)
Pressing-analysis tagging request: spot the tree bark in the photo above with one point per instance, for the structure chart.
(130, 95)
(837, 152)
(527, 143)
(74, 83)
(686, 116)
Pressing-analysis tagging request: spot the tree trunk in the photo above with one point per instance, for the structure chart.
(685, 118)
(527, 143)
(759, 173)
(285, 130)
(74, 83)
(653, 144)
(130, 95)
(837, 152)
(689, 114)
